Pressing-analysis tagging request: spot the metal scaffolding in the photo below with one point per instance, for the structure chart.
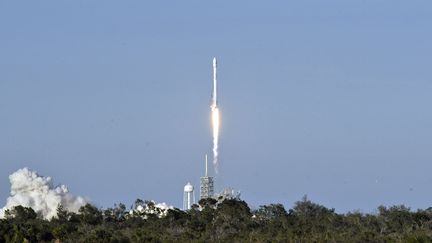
(207, 183)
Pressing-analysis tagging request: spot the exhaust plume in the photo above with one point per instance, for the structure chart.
(215, 125)
(29, 189)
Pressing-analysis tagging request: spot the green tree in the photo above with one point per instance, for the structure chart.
(116, 214)
(232, 219)
(20, 213)
(314, 221)
(89, 214)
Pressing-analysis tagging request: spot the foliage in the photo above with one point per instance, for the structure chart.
(219, 221)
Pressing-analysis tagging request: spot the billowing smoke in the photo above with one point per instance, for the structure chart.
(29, 189)
(150, 207)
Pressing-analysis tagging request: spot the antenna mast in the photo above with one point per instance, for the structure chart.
(206, 166)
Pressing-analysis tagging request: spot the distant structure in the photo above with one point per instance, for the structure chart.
(228, 193)
(206, 188)
(188, 196)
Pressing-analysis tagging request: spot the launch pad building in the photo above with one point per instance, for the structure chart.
(207, 183)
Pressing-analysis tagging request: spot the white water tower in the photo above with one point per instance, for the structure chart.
(188, 196)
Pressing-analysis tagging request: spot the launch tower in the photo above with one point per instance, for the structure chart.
(206, 187)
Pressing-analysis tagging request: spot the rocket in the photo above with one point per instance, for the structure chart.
(214, 96)
(215, 118)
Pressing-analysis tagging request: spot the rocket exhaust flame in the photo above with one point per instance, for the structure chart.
(215, 119)
(215, 123)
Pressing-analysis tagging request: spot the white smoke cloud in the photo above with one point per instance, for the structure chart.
(159, 209)
(29, 189)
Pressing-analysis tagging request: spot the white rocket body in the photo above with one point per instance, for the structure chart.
(215, 118)
(214, 100)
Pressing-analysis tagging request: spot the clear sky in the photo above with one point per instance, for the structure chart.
(326, 98)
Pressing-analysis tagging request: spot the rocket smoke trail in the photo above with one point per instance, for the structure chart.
(215, 118)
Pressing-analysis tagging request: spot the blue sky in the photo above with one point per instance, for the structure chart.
(325, 98)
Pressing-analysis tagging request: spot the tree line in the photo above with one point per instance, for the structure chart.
(230, 220)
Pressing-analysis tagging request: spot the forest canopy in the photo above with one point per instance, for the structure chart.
(229, 220)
